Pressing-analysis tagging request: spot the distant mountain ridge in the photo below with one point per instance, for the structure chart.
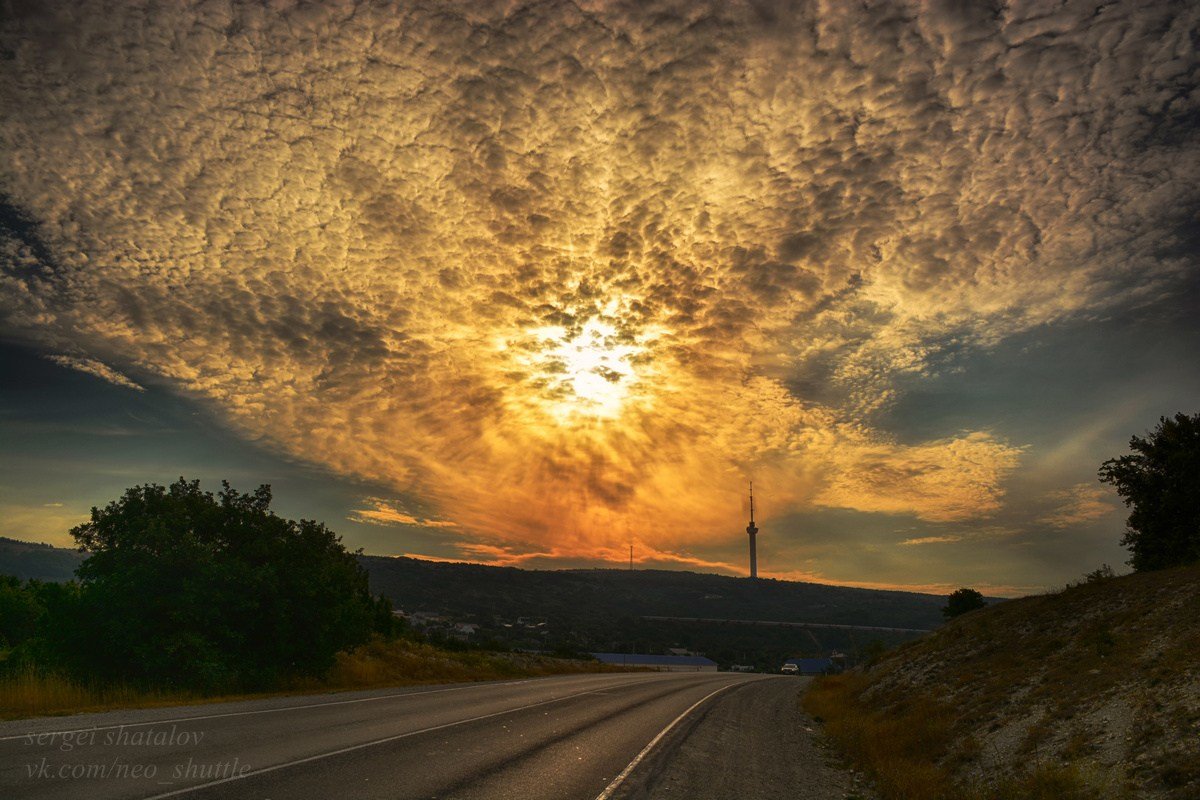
(37, 560)
(610, 610)
(465, 589)
(417, 585)
(650, 611)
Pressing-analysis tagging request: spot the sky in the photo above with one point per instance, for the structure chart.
(529, 283)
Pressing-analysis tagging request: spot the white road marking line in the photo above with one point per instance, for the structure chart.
(257, 711)
(352, 748)
(617, 781)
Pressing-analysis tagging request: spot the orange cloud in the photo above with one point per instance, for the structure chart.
(382, 512)
(931, 540)
(573, 285)
(1081, 503)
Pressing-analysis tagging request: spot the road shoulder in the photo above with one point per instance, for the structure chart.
(752, 741)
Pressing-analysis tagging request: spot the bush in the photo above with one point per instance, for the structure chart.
(1099, 575)
(962, 601)
(186, 589)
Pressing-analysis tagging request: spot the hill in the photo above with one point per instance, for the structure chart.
(581, 610)
(508, 591)
(573, 611)
(1093, 692)
(42, 561)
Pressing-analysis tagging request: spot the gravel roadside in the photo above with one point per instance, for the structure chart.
(754, 741)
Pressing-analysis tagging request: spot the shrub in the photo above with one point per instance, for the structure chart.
(962, 601)
(186, 589)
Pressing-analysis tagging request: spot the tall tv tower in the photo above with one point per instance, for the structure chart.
(752, 529)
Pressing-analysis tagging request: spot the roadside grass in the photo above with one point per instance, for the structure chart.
(1036, 670)
(900, 747)
(34, 694)
(1045, 782)
(907, 748)
(399, 662)
(402, 661)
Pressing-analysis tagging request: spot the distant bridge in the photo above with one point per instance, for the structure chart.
(876, 628)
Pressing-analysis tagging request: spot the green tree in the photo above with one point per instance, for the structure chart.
(20, 612)
(39, 623)
(961, 601)
(1160, 482)
(184, 588)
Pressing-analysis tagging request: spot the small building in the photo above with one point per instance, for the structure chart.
(658, 663)
(811, 666)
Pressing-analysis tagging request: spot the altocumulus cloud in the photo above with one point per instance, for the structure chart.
(556, 268)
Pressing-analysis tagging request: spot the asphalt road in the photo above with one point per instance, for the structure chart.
(583, 736)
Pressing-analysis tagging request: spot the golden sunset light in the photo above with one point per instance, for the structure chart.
(602, 266)
(600, 399)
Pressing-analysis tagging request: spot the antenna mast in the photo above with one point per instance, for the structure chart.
(751, 530)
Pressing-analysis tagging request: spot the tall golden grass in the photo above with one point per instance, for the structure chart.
(905, 746)
(32, 694)
(402, 661)
(900, 748)
(1036, 667)
(379, 663)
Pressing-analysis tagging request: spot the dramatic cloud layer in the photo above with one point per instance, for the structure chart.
(572, 273)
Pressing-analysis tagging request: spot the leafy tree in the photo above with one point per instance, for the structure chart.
(1160, 482)
(39, 621)
(185, 588)
(20, 611)
(961, 601)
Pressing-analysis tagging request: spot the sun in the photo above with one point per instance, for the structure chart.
(586, 373)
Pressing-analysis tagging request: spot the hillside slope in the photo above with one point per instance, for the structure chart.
(42, 561)
(607, 610)
(471, 588)
(1090, 692)
(474, 589)
(574, 611)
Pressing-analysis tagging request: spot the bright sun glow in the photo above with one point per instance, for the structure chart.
(587, 374)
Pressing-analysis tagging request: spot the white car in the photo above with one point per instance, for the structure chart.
(790, 669)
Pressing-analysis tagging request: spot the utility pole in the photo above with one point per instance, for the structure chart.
(631, 556)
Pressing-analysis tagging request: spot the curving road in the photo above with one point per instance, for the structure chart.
(583, 736)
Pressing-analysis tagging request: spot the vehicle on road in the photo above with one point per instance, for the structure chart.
(790, 669)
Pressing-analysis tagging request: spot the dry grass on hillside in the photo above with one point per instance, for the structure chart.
(1093, 692)
(378, 664)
